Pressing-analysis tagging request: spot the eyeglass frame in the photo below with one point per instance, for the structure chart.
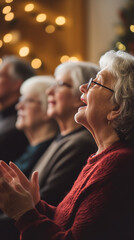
(92, 80)
(27, 101)
(60, 83)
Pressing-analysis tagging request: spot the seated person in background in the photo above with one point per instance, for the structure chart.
(40, 130)
(13, 71)
(32, 119)
(60, 165)
(100, 204)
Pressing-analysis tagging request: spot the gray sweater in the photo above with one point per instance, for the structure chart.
(60, 165)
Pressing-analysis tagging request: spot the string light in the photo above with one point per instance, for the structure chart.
(8, 1)
(132, 28)
(120, 46)
(6, 9)
(36, 63)
(60, 20)
(7, 38)
(41, 17)
(73, 59)
(1, 43)
(9, 16)
(64, 58)
(29, 7)
(24, 51)
(50, 29)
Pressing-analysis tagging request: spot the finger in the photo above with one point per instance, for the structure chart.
(35, 178)
(7, 168)
(23, 179)
(5, 174)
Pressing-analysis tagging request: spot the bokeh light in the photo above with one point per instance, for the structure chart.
(1, 43)
(50, 29)
(29, 7)
(24, 51)
(36, 63)
(7, 38)
(41, 17)
(6, 9)
(9, 16)
(60, 20)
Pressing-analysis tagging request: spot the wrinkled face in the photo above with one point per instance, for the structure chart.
(6, 82)
(30, 114)
(62, 102)
(97, 101)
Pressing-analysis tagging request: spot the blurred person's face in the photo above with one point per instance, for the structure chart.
(62, 102)
(98, 104)
(7, 85)
(30, 115)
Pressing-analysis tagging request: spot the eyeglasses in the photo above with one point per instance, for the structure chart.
(92, 81)
(60, 83)
(28, 101)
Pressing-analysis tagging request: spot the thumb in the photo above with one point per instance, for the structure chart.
(34, 178)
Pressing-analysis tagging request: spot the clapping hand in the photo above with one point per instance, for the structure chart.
(17, 193)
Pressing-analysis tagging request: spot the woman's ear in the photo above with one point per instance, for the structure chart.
(113, 114)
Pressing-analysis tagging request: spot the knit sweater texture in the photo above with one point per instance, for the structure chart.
(100, 205)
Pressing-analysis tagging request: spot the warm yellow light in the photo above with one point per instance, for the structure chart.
(64, 58)
(24, 51)
(29, 7)
(7, 38)
(1, 43)
(36, 63)
(50, 28)
(9, 16)
(0, 60)
(6, 9)
(73, 59)
(41, 17)
(120, 46)
(60, 20)
(8, 1)
(132, 28)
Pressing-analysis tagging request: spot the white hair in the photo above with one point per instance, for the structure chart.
(80, 72)
(121, 65)
(38, 85)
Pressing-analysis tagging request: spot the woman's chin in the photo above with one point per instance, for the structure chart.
(78, 117)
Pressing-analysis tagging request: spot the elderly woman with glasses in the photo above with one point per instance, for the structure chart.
(100, 204)
(32, 119)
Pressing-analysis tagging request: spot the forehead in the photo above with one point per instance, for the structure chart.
(104, 75)
(65, 77)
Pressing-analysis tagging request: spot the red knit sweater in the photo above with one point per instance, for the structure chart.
(100, 205)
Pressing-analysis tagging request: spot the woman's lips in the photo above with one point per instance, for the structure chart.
(83, 100)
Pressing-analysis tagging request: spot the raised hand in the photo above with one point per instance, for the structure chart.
(13, 175)
(14, 200)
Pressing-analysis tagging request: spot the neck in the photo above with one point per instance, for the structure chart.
(41, 134)
(7, 102)
(67, 126)
(106, 137)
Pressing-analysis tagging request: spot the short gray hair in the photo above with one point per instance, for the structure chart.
(19, 69)
(121, 65)
(80, 72)
(38, 85)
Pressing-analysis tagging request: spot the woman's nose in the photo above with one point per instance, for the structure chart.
(18, 105)
(83, 88)
(50, 90)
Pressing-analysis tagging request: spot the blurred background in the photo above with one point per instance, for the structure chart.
(49, 32)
